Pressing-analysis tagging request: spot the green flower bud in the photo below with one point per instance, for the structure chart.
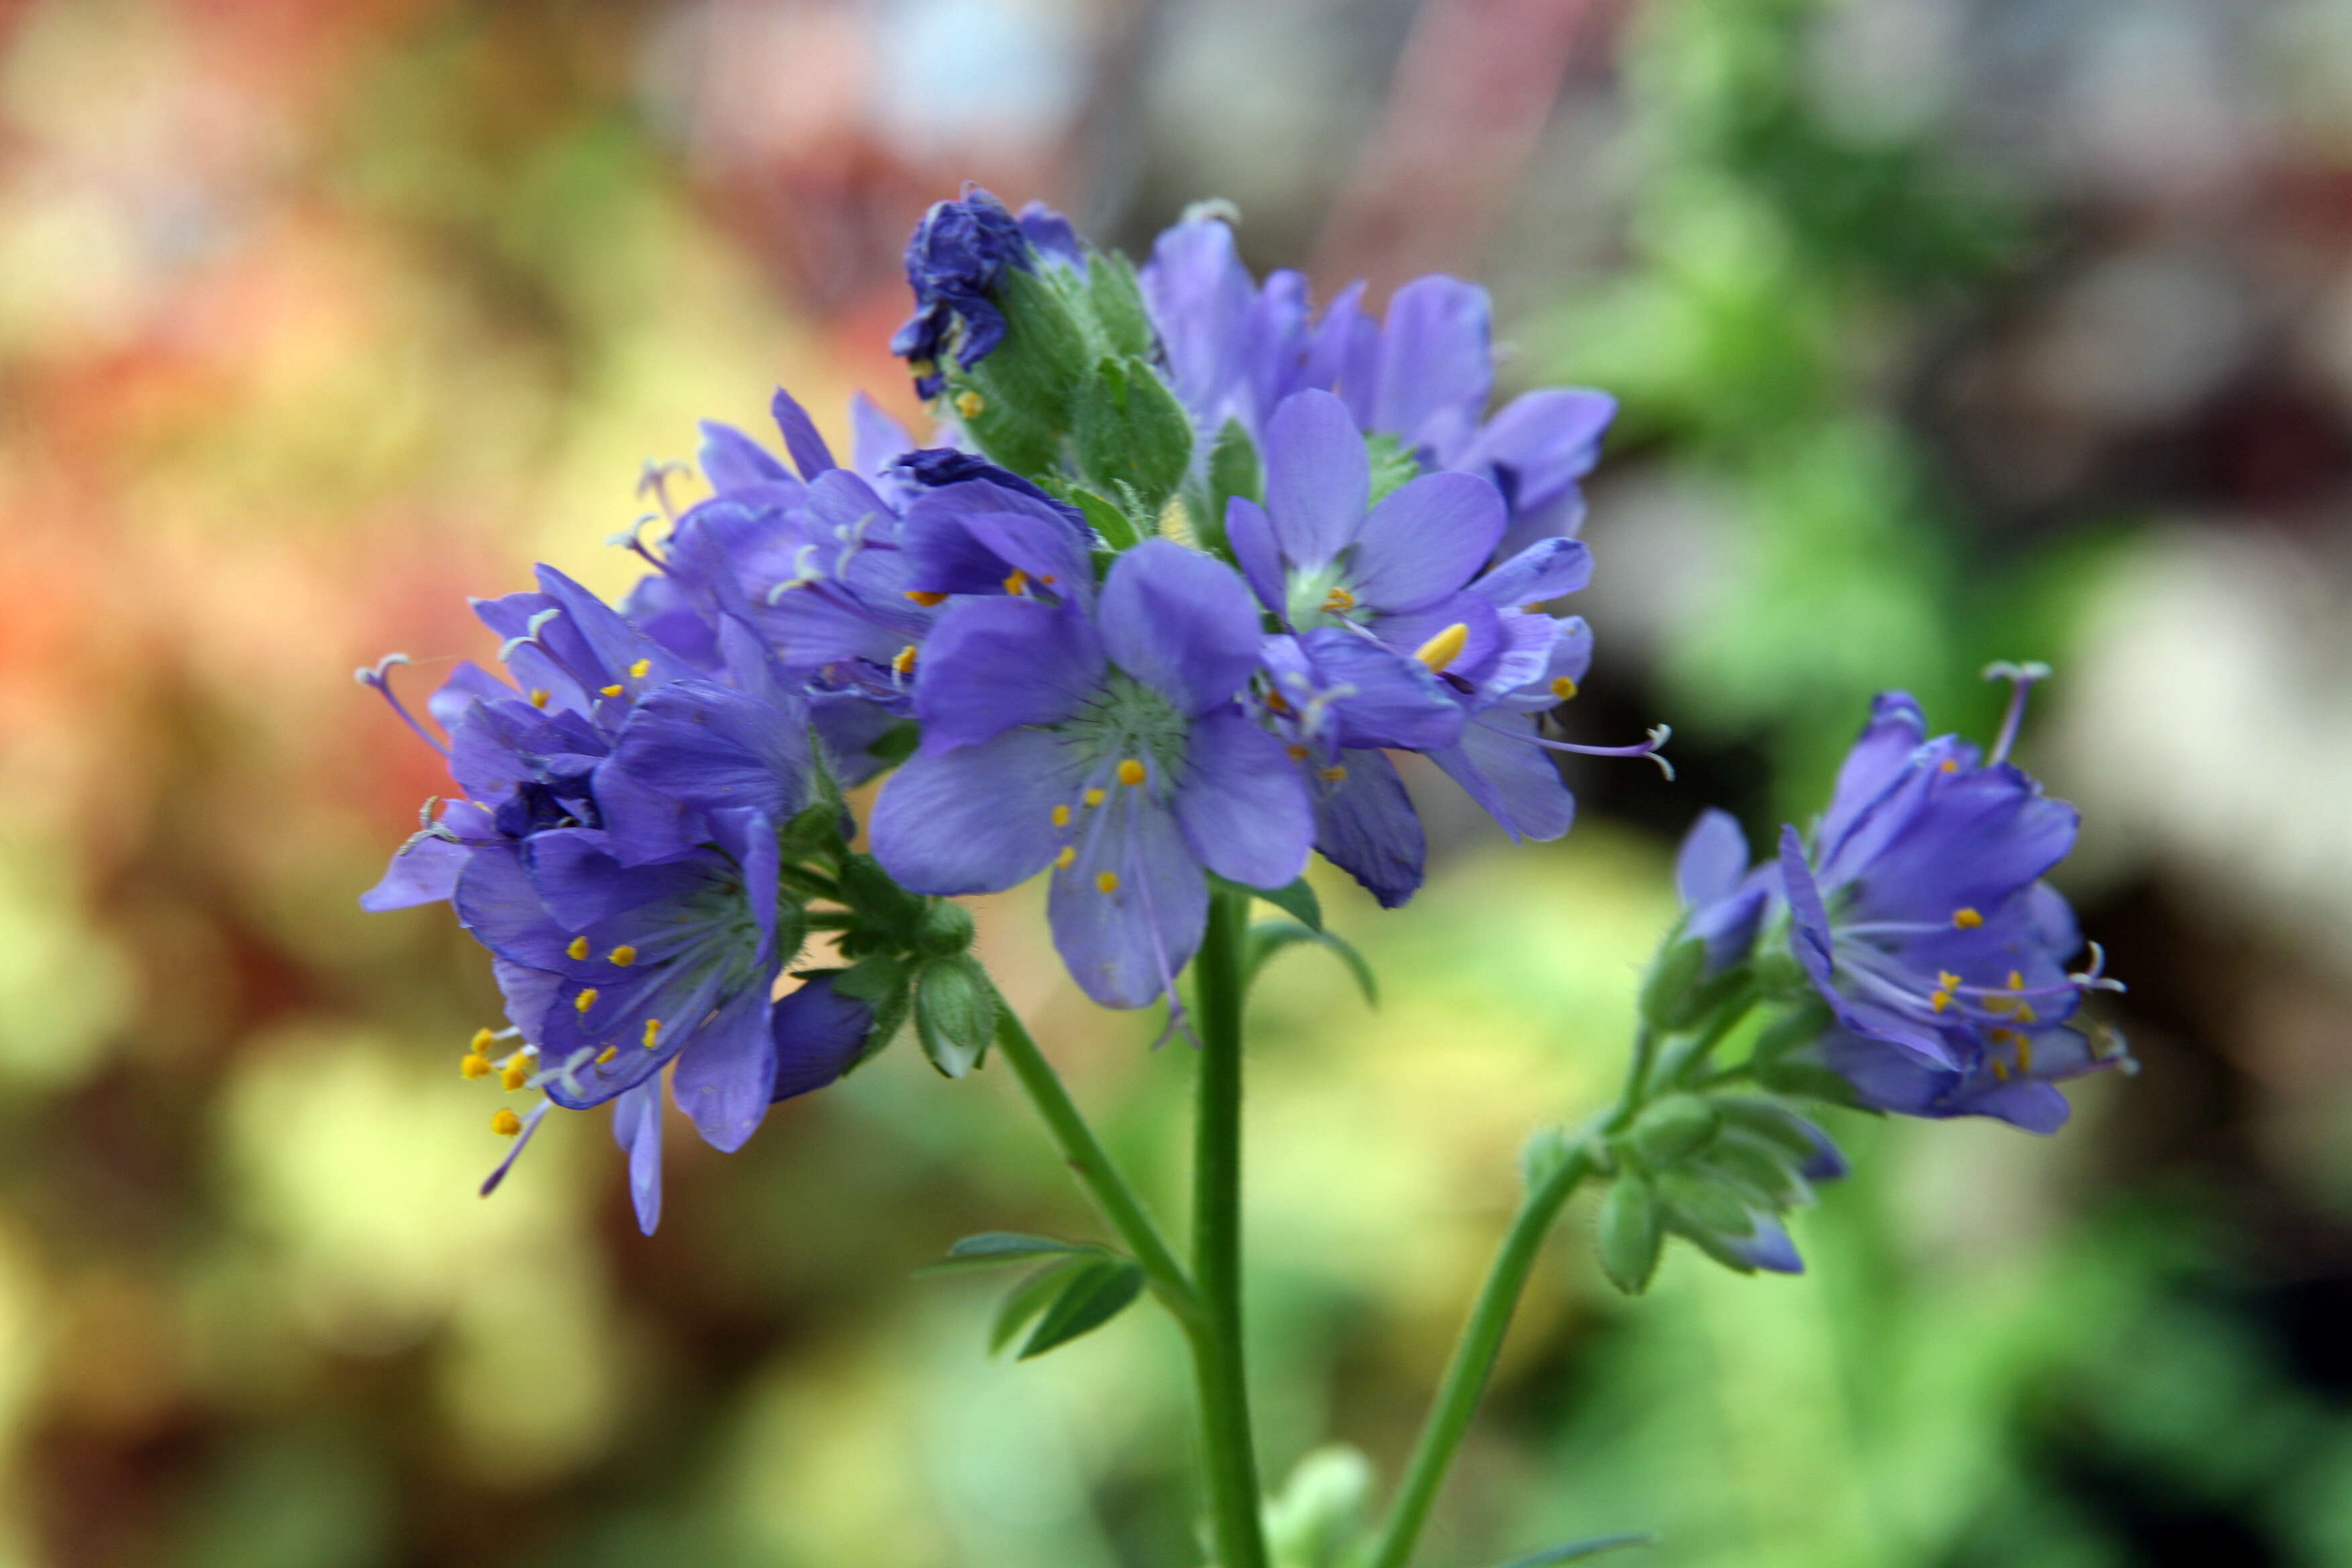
(1629, 1233)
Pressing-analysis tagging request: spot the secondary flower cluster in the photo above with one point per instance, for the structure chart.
(1183, 564)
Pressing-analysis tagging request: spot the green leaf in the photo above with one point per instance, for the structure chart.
(1026, 1300)
(1096, 1292)
(897, 743)
(1297, 901)
(1116, 301)
(1629, 1233)
(991, 1248)
(1105, 517)
(1234, 470)
(1270, 937)
(1577, 1550)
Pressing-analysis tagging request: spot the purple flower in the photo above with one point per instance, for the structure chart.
(1722, 901)
(1105, 742)
(955, 258)
(1405, 640)
(1422, 377)
(1920, 916)
(615, 849)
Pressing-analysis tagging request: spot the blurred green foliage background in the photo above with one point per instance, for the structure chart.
(1947, 329)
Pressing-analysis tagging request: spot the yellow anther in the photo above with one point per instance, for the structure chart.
(903, 661)
(578, 950)
(2004, 1037)
(2000, 1070)
(585, 1000)
(1951, 765)
(1046, 578)
(642, 668)
(969, 403)
(1966, 919)
(653, 1031)
(1094, 797)
(505, 1123)
(1444, 648)
(2016, 980)
(1532, 609)
(475, 1065)
(623, 955)
(607, 1054)
(1278, 703)
(923, 366)
(1107, 880)
(1333, 773)
(2024, 1054)
(1298, 753)
(1130, 773)
(608, 690)
(1947, 980)
(515, 1074)
(1337, 601)
(483, 1040)
(1562, 688)
(2025, 1014)
(537, 697)
(925, 597)
(1016, 582)
(1060, 817)
(1067, 858)
(1938, 999)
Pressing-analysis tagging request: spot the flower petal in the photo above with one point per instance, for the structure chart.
(1714, 859)
(810, 454)
(819, 1035)
(1513, 780)
(733, 460)
(1548, 569)
(1242, 806)
(1437, 365)
(424, 870)
(993, 664)
(637, 1129)
(975, 820)
(1317, 477)
(1422, 543)
(1366, 826)
(1180, 622)
(1252, 538)
(725, 1080)
(1125, 940)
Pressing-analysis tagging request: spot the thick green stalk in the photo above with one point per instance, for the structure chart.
(1095, 1171)
(1218, 987)
(1474, 1357)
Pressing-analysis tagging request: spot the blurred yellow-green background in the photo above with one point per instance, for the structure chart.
(1947, 329)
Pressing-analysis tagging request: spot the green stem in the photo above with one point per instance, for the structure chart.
(1218, 985)
(1095, 1171)
(1474, 1357)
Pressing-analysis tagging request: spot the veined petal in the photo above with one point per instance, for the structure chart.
(1548, 569)
(1252, 537)
(1317, 477)
(1437, 365)
(978, 819)
(637, 1129)
(819, 1035)
(1180, 622)
(1365, 824)
(1242, 806)
(1391, 698)
(1513, 780)
(1127, 912)
(425, 870)
(1422, 543)
(993, 664)
(725, 1080)
(733, 460)
(1714, 859)
(810, 454)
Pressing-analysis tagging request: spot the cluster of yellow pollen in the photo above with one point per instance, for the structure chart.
(903, 661)
(506, 1123)
(1060, 817)
(968, 404)
(539, 697)
(1946, 983)
(1337, 602)
(653, 1031)
(1332, 774)
(1107, 880)
(1562, 688)
(1095, 795)
(1016, 582)
(1444, 648)
(1130, 773)
(513, 1073)
(585, 1000)
(1951, 765)
(2016, 1007)
(925, 597)
(1067, 858)
(578, 950)
(1298, 753)
(1966, 919)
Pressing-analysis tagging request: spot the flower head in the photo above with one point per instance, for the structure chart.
(1919, 915)
(1104, 741)
(956, 258)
